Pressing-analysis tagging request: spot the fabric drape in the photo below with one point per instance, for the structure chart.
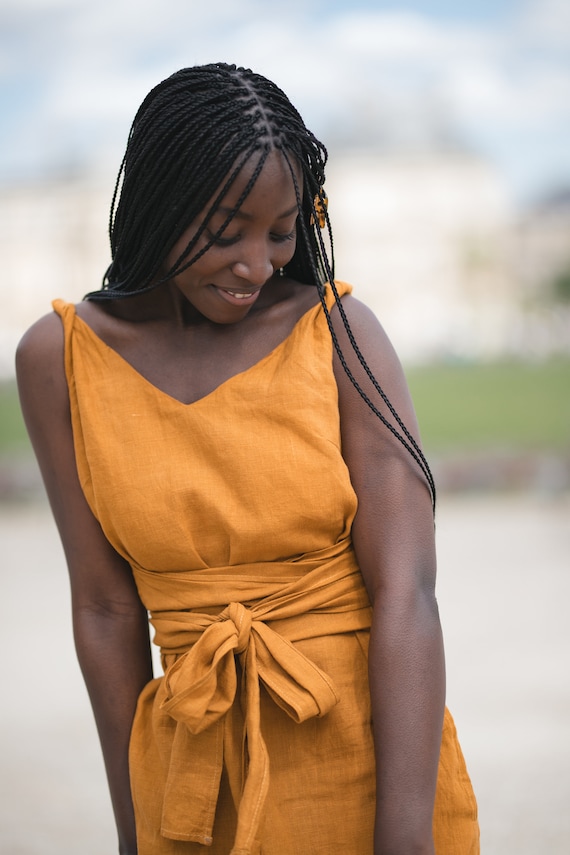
(235, 515)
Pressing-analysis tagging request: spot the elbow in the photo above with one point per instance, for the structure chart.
(106, 618)
(408, 599)
(101, 629)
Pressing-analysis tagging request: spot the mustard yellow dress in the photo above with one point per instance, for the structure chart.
(235, 515)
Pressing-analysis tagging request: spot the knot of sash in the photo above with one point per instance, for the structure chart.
(241, 618)
(201, 685)
(269, 608)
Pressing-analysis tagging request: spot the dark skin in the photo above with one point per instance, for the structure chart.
(186, 337)
(393, 536)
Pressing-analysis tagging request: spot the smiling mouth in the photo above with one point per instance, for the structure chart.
(237, 296)
(240, 295)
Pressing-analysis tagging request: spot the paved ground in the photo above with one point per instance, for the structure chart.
(504, 591)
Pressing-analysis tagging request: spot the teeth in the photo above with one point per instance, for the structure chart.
(240, 295)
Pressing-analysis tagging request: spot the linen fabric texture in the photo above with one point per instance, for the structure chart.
(235, 515)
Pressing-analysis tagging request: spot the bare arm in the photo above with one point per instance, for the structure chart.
(109, 621)
(394, 542)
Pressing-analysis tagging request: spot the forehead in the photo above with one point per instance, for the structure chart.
(279, 181)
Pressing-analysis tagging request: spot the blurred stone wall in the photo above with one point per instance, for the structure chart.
(432, 243)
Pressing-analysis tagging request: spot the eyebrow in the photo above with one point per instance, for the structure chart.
(245, 216)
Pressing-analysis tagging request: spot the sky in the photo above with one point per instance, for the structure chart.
(490, 77)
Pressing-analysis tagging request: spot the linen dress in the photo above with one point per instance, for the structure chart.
(235, 515)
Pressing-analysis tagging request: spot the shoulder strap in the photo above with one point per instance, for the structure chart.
(342, 288)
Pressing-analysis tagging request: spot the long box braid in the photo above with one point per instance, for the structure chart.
(189, 140)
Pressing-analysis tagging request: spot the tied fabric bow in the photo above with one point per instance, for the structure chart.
(201, 686)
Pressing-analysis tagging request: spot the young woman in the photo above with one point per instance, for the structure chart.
(218, 452)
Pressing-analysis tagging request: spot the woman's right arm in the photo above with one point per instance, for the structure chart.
(109, 621)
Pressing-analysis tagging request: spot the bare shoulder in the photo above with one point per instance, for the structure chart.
(365, 322)
(42, 340)
(40, 367)
(99, 575)
(377, 415)
(374, 349)
(393, 530)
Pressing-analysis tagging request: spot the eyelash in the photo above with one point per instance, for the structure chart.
(220, 241)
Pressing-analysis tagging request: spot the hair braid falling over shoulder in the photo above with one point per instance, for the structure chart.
(399, 430)
(189, 140)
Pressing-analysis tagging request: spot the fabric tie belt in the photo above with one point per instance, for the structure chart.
(200, 683)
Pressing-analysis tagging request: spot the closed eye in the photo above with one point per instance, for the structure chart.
(223, 241)
(284, 238)
(230, 241)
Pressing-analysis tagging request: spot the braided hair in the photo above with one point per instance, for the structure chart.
(190, 139)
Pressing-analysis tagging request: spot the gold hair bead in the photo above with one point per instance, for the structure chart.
(320, 204)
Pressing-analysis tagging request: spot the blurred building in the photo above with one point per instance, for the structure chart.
(53, 243)
(431, 242)
(540, 260)
(424, 239)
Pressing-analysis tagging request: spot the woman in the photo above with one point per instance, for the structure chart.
(217, 450)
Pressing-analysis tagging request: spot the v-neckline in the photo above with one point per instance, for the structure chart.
(166, 395)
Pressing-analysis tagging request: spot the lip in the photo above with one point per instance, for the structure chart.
(230, 297)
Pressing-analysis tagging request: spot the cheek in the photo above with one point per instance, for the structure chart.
(173, 256)
(180, 247)
(287, 251)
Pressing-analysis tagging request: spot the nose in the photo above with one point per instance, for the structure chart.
(254, 265)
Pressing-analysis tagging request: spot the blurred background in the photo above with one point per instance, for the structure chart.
(448, 127)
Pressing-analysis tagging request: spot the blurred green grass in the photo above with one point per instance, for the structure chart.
(516, 406)
(13, 436)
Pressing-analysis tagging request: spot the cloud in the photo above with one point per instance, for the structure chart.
(72, 71)
(545, 23)
(482, 93)
(495, 87)
(405, 36)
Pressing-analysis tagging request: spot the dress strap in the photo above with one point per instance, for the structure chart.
(342, 288)
(66, 312)
(63, 309)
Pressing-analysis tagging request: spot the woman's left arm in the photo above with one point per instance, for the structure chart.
(393, 535)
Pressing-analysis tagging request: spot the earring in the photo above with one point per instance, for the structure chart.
(320, 204)
(281, 272)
